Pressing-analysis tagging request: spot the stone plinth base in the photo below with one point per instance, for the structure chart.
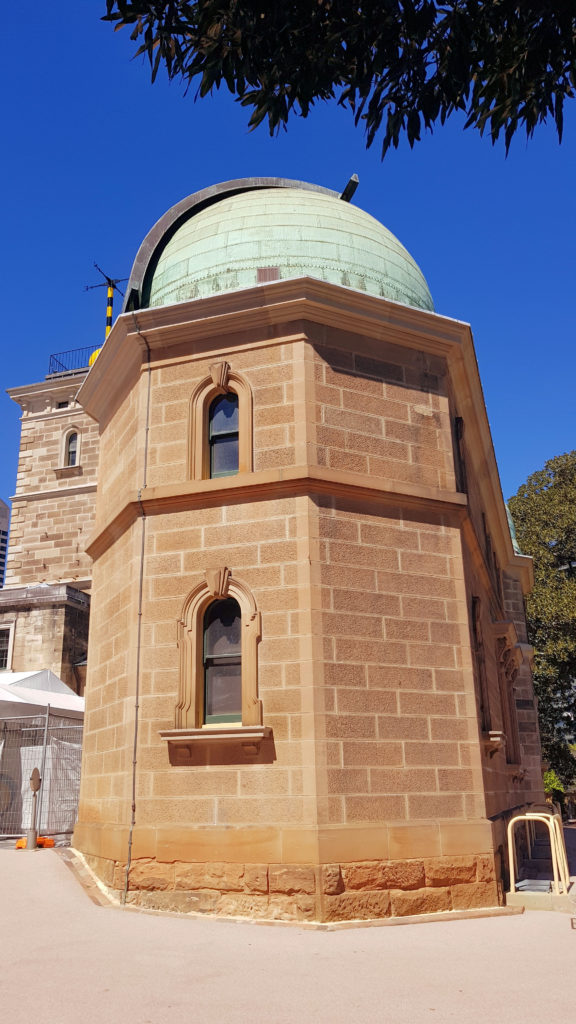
(304, 892)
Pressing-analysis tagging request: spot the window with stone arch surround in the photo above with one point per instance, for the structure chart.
(222, 380)
(70, 448)
(218, 585)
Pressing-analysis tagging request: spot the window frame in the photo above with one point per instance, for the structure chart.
(211, 660)
(218, 585)
(215, 437)
(222, 380)
(64, 455)
(8, 627)
(479, 664)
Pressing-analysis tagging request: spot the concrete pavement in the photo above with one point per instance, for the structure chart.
(66, 960)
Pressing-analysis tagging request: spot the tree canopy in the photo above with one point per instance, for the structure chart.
(400, 66)
(544, 514)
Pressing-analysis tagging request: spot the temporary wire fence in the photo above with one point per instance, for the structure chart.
(53, 744)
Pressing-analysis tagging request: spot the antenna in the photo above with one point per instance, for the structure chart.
(111, 283)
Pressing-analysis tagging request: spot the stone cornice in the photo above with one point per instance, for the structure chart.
(42, 594)
(270, 305)
(270, 484)
(283, 302)
(523, 566)
(75, 410)
(65, 387)
(61, 492)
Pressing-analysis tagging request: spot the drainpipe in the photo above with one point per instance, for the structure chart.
(139, 629)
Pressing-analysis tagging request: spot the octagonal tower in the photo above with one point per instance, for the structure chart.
(307, 614)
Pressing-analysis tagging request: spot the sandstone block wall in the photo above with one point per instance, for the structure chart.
(48, 539)
(382, 411)
(50, 630)
(366, 674)
(54, 505)
(400, 713)
(37, 641)
(307, 892)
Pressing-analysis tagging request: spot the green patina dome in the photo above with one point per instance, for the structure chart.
(279, 233)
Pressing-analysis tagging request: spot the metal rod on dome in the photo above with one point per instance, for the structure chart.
(111, 284)
(350, 189)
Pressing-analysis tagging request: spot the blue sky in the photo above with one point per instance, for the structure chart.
(94, 154)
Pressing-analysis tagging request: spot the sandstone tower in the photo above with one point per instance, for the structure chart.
(45, 603)
(309, 691)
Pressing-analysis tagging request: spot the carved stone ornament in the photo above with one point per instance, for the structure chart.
(220, 373)
(510, 659)
(217, 581)
(493, 740)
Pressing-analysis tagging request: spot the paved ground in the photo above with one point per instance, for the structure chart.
(65, 960)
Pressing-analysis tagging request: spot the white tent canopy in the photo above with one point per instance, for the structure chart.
(29, 693)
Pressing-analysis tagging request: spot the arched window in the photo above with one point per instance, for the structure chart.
(71, 456)
(221, 427)
(218, 636)
(222, 662)
(223, 435)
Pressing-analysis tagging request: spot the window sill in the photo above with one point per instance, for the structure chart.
(66, 471)
(249, 737)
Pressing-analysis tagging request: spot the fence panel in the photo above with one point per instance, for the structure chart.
(53, 744)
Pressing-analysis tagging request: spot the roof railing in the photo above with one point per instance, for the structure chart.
(69, 362)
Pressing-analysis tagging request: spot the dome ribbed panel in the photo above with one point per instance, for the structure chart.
(296, 234)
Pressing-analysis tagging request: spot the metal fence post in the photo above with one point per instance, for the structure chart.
(43, 766)
(32, 832)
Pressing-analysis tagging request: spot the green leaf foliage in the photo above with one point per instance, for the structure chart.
(400, 66)
(552, 783)
(544, 514)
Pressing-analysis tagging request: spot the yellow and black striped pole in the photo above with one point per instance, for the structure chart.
(111, 284)
(109, 308)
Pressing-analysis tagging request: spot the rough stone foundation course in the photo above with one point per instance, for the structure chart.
(331, 892)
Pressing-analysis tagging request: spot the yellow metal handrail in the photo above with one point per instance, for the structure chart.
(553, 822)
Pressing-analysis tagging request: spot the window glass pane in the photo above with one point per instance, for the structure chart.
(223, 690)
(223, 415)
(222, 665)
(222, 628)
(72, 448)
(4, 642)
(224, 456)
